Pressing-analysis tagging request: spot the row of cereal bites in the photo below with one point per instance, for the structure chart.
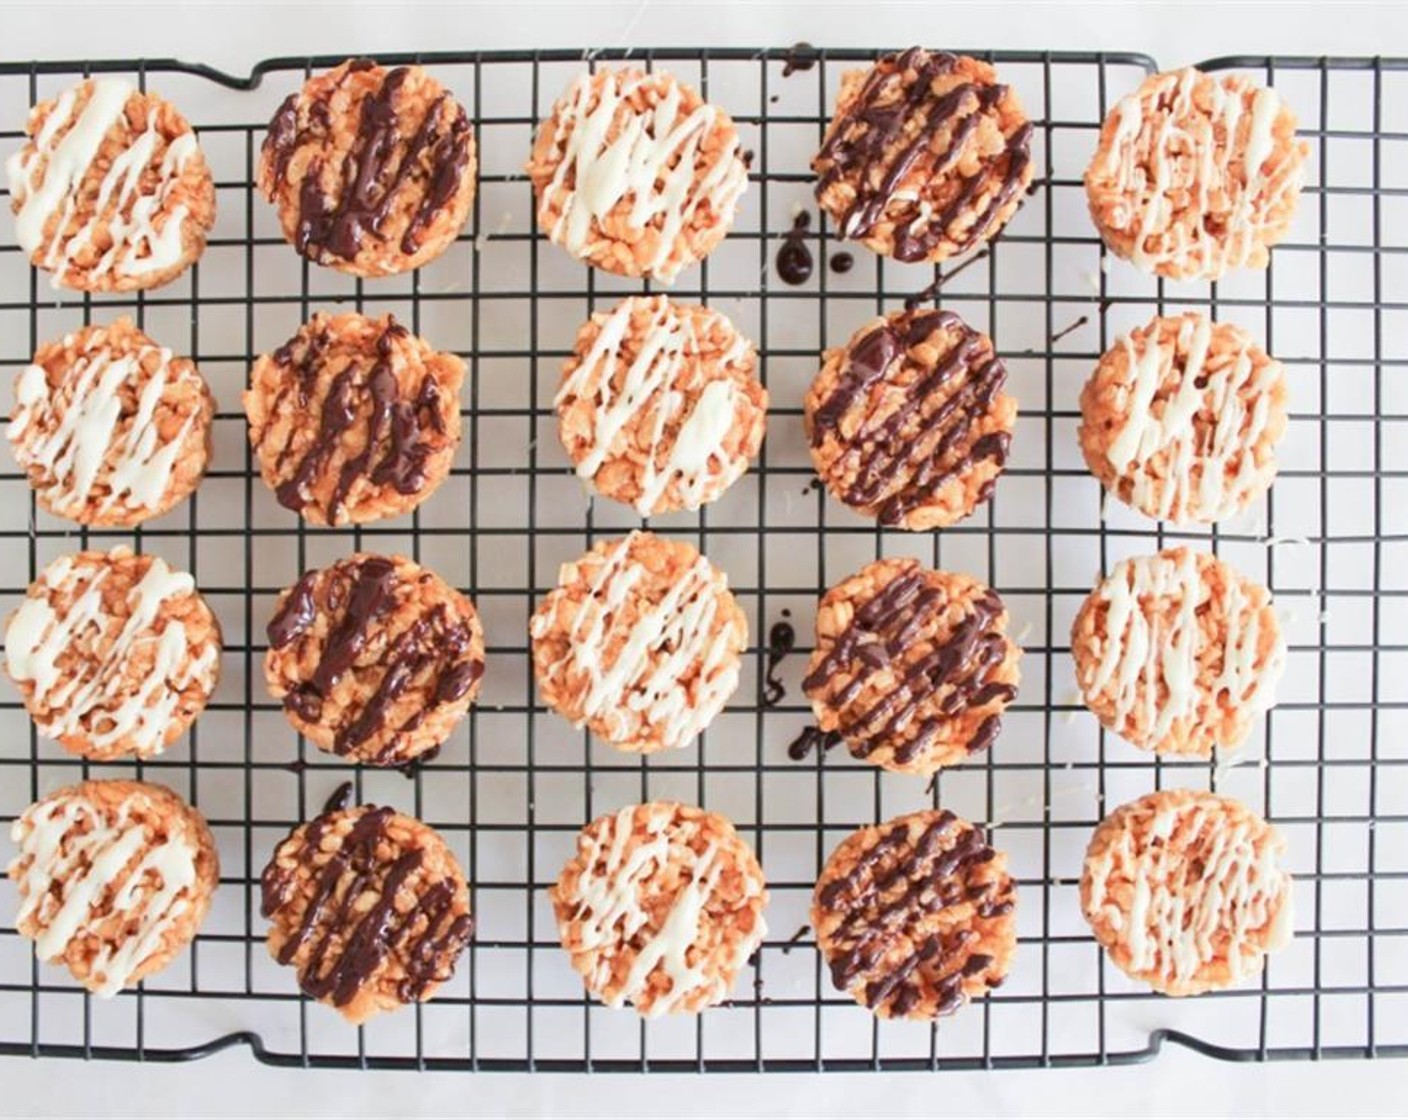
(661, 904)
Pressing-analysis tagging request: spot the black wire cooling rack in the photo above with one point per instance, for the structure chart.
(512, 787)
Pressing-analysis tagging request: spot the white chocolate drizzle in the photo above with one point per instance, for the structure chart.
(1149, 665)
(610, 914)
(77, 871)
(48, 179)
(77, 435)
(1193, 151)
(675, 666)
(656, 389)
(652, 161)
(97, 699)
(1203, 475)
(1206, 886)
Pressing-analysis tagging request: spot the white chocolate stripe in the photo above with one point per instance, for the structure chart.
(73, 859)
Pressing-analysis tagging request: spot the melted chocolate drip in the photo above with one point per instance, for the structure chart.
(782, 639)
(921, 452)
(800, 57)
(893, 886)
(794, 259)
(842, 262)
(1064, 331)
(348, 949)
(929, 291)
(810, 738)
(795, 939)
(877, 144)
(340, 798)
(879, 636)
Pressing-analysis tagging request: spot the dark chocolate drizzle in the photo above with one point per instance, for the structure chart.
(1075, 326)
(799, 58)
(794, 258)
(893, 887)
(842, 262)
(381, 162)
(339, 799)
(347, 950)
(782, 639)
(880, 635)
(930, 290)
(812, 738)
(898, 463)
(398, 441)
(876, 144)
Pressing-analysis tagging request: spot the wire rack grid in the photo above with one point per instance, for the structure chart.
(512, 787)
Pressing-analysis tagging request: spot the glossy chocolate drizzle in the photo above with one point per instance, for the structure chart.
(894, 885)
(347, 949)
(381, 161)
(782, 639)
(398, 440)
(794, 258)
(434, 648)
(902, 460)
(880, 634)
(876, 145)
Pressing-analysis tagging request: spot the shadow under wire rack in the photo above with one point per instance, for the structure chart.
(515, 783)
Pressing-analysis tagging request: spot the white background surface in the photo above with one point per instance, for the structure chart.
(234, 37)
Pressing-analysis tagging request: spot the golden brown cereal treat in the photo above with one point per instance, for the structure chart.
(915, 917)
(909, 422)
(1185, 891)
(659, 406)
(1178, 652)
(111, 428)
(1181, 419)
(114, 878)
(111, 193)
(374, 658)
(661, 905)
(372, 170)
(114, 654)
(369, 906)
(1196, 174)
(912, 667)
(636, 173)
(641, 641)
(354, 419)
(926, 156)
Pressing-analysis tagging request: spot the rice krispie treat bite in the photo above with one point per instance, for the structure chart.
(372, 170)
(111, 192)
(1180, 419)
(111, 428)
(661, 905)
(114, 654)
(636, 173)
(114, 879)
(909, 422)
(927, 155)
(1196, 174)
(916, 916)
(659, 405)
(1186, 892)
(354, 419)
(1178, 652)
(641, 641)
(375, 658)
(369, 907)
(913, 667)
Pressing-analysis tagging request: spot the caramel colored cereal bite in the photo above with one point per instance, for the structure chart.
(661, 906)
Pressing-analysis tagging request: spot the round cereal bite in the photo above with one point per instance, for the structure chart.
(111, 193)
(369, 907)
(1196, 174)
(927, 155)
(114, 878)
(1181, 418)
(354, 419)
(913, 667)
(659, 406)
(641, 641)
(1186, 892)
(374, 658)
(909, 422)
(661, 905)
(111, 428)
(916, 916)
(114, 654)
(372, 170)
(636, 173)
(1178, 652)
